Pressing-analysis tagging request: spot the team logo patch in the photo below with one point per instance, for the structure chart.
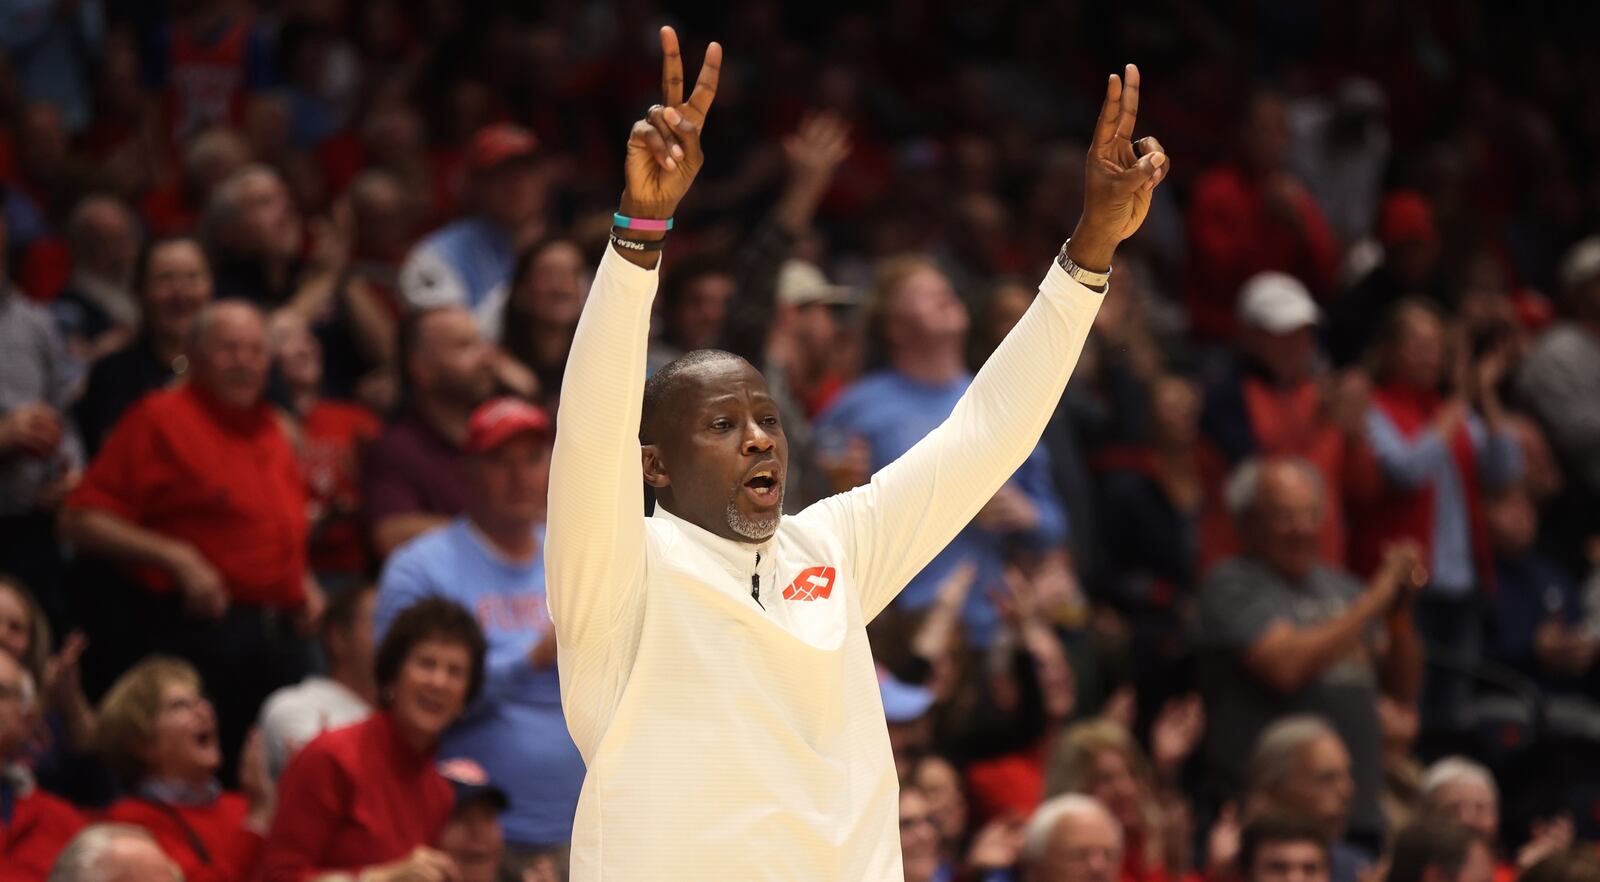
(815, 583)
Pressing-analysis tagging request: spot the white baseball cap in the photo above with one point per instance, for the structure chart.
(1277, 303)
(800, 284)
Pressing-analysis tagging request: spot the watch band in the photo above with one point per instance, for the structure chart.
(1086, 278)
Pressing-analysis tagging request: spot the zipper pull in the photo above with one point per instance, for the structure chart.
(755, 583)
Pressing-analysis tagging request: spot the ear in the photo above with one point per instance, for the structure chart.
(655, 470)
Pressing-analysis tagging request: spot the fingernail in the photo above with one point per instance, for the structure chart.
(671, 165)
(677, 151)
(671, 115)
(1158, 160)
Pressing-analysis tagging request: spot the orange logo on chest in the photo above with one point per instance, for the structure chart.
(815, 583)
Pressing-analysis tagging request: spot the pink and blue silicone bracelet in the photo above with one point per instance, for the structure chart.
(647, 224)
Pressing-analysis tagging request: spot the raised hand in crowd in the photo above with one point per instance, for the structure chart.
(1348, 397)
(256, 783)
(1551, 836)
(996, 846)
(1175, 734)
(813, 152)
(32, 430)
(1401, 574)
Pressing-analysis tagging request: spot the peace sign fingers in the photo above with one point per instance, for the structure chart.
(671, 69)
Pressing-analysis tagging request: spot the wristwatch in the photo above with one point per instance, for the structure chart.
(1080, 275)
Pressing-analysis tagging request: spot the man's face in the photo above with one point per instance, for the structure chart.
(1288, 358)
(919, 838)
(1084, 847)
(1320, 785)
(925, 311)
(231, 359)
(721, 461)
(511, 482)
(697, 317)
(177, 285)
(814, 329)
(1291, 861)
(354, 646)
(455, 361)
(1470, 802)
(296, 350)
(475, 841)
(16, 711)
(267, 223)
(1288, 520)
(552, 289)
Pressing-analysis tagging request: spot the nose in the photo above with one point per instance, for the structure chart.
(756, 439)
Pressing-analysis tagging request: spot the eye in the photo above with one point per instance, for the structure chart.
(721, 424)
(771, 421)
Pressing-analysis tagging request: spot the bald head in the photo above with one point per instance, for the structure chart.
(1278, 504)
(113, 853)
(1072, 838)
(228, 349)
(673, 385)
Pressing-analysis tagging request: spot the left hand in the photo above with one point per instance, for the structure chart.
(1549, 837)
(1176, 732)
(63, 683)
(1119, 177)
(997, 845)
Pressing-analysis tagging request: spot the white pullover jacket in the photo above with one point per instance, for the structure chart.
(727, 740)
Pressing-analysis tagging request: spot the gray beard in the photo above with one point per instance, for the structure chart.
(753, 528)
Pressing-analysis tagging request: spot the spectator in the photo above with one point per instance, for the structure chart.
(1252, 216)
(473, 838)
(1340, 148)
(919, 836)
(1409, 268)
(491, 561)
(40, 457)
(1279, 403)
(368, 800)
(158, 733)
(1300, 765)
(206, 62)
(34, 825)
(411, 477)
(331, 437)
(294, 715)
(97, 313)
(1556, 384)
(468, 263)
(941, 788)
(1276, 632)
(58, 751)
(114, 853)
(920, 329)
(215, 552)
(1283, 848)
(1101, 759)
(548, 290)
(1461, 791)
(254, 235)
(359, 326)
(693, 306)
(1440, 851)
(1576, 865)
(1071, 838)
(211, 157)
(1438, 458)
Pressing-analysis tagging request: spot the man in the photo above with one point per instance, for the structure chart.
(1463, 791)
(1276, 401)
(294, 715)
(468, 263)
(923, 326)
(40, 456)
(411, 479)
(1556, 384)
(1440, 851)
(1300, 765)
(1277, 847)
(1277, 632)
(34, 826)
(473, 837)
(254, 235)
(491, 561)
(1249, 215)
(114, 853)
(198, 497)
(1071, 838)
(748, 691)
(97, 313)
(695, 295)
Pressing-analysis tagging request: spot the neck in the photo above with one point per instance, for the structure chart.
(354, 677)
(446, 417)
(416, 739)
(303, 399)
(933, 364)
(512, 539)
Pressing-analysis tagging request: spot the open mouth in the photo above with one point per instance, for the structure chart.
(762, 486)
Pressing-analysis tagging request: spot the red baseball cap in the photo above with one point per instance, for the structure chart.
(500, 419)
(499, 143)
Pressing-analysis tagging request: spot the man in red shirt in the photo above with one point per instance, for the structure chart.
(198, 497)
(34, 826)
(1253, 216)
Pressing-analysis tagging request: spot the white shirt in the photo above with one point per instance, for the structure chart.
(727, 740)
(294, 715)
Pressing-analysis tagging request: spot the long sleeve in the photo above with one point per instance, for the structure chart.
(1408, 463)
(595, 543)
(914, 506)
(313, 795)
(1499, 454)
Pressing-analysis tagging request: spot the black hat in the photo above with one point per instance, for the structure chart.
(472, 784)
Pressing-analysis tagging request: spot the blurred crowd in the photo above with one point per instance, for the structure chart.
(1302, 583)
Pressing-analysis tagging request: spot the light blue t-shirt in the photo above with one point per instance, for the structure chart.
(891, 413)
(515, 730)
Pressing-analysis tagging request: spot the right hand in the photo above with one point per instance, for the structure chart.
(664, 148)
(1402, 572)
(1222, 843)
(205, 594)
(817, 147)
(422, 865)
(33, 430)
(998, 844)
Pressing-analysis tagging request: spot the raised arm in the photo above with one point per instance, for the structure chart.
(594, 550)
(914, 506)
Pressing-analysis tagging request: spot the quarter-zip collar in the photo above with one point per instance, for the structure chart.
(741, 560)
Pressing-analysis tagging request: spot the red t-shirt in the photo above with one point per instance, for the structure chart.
(334, 434)
(354, 798)
(225, 481)
(209, 842)
(41, 825)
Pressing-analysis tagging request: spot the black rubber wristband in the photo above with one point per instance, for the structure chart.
(635, 245)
